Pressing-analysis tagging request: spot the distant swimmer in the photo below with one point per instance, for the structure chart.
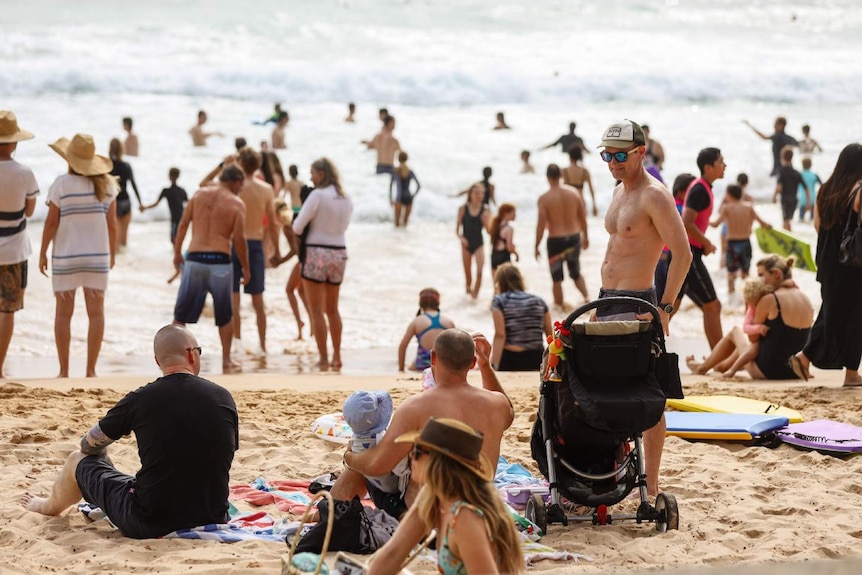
(563, 214)
(576, 175)
(403, 200)
(526, 166)
(566, 141)
(501, 122)
(386, 145)
(808, 145)
(278, 132)
(130, 144)
(351, 112)
(273, 118)
(199, 136)
(654, 150)
(779, 140)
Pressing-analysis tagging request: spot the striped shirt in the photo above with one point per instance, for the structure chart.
(17, 185)
(524, 315)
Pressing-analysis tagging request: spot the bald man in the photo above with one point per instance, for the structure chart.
(187, 431)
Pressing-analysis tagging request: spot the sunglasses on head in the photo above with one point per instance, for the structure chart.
(618, 156)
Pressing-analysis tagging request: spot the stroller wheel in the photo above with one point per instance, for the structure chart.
(668, 513)
(537, 513)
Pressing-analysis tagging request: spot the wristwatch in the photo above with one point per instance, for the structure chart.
(667, 307)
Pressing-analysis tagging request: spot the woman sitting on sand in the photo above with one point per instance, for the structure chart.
(788, 314)
(521, 322)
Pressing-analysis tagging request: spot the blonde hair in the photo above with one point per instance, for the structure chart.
(446, 479)
(509, 278)
(330, 174)
(101, 183)
(754, 289)
(774, 261)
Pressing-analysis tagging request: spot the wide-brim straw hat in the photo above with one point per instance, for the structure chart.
(455, 440)
(10, 132)
(80, 153)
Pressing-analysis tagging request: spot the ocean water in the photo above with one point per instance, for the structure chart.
(692, 70)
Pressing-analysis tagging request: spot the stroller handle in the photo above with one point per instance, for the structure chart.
(589, 306)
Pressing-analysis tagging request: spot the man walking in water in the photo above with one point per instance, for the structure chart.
(563, 213)
(386, 145)
(217, 217)
(640, 220)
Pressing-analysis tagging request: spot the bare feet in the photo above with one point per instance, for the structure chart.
(694, 366)
(853, 382)
(336, 365)
(729, 373)
(299, 325)
(92, 373)
(231, 366)
(800, 368)
(32, 503)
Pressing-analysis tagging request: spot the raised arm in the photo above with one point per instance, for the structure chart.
(489, 377)
(755, 130)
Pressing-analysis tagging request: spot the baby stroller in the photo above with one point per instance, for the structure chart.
(604, 391)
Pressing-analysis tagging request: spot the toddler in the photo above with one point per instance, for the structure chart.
(368, 414)
(752, 291)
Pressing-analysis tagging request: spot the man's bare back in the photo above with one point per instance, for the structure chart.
(387, 147)
(215, 214)
(258, 199)
(562, 210)
(740, 217)
(294, 187)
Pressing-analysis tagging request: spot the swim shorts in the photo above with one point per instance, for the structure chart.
(114, 492)
(385, 169)
(624, 311)
(13, 282)
(564, 249)
(698, 283)
(526, 360)
(324, 264)
(500, 257)
(738, 256)
(788, 208)
(255, 265)
(198, 279)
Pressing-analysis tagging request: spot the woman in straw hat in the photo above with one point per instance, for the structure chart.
(82, 223)
(475, 533)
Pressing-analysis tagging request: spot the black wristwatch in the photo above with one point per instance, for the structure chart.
(667, 307)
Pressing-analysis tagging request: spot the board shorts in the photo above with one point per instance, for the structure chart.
(738, 256)
(698, 283)
(205, 272)
(788, 207)
(124, 207)
(324, 264)
(13, 282)
(255, 265)
(385, 169)
(114, 492)
(624, 311)
(564, 249)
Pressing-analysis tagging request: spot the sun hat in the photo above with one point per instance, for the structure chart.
(368, 412)
(623, 134)
(9, 130)
(80, 153)
(455, 440)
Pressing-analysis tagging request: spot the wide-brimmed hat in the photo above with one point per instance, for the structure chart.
(623, 134)
(455, 440)
(80, 153)
(9, 130)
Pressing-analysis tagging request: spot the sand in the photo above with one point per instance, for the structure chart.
(738, 504)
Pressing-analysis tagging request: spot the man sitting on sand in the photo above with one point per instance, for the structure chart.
(187, 432)
(489, 410)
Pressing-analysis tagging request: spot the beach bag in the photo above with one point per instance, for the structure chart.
(850, 252)
(356, 528)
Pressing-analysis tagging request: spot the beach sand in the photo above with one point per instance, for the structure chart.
(738, 505)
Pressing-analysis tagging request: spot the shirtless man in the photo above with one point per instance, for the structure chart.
(740, 216)
(217, 217)
(640, 220)
(292, 189)
(563, 213)
(258, 197)
(488, 409)
(199, 137)
(130, 144)
(278, 131)
(577, 176)
(386, 145)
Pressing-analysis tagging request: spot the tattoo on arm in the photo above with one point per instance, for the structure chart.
(95, 441)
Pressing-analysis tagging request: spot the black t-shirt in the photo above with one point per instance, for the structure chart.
(698, 198)
(177, 198)
(778, 143)
(187, 431)
(789, 180)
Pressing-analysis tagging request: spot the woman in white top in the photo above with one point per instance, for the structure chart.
(82, 223)
(326, 213)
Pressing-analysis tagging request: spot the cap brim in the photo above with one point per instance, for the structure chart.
(18, 136)
(616, 144)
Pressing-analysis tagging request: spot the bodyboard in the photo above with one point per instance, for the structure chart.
(721, 426)
(783, 243)
(733, 404)
(823, 435)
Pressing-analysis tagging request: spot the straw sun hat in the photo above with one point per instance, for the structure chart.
(80, 153)
(9, 130)
(455, 440)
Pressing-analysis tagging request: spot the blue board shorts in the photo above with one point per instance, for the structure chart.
(198, 280)
(255, 265)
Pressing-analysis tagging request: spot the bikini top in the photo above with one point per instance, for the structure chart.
(447, 562)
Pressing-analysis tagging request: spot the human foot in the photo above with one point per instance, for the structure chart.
(694, 365)
(852, 383)
(799, 370)
(31, 502)
(231, 366)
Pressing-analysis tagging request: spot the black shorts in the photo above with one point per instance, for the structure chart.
(788, 207)
(391, 503)
(527, 360)
(386, 169)
(624, 311)
(500, 257)
(738, 256)
(564, 249)
(101, 484)
(698, 283)
(256, 266)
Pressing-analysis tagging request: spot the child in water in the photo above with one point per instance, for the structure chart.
(502, 244)
(476, 533)
(404, 197)
(426, 326)
(752, 291)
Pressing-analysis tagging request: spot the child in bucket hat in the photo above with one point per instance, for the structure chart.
(368, 414)
(476, 533)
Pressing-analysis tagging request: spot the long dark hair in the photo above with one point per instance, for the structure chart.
(834, 195)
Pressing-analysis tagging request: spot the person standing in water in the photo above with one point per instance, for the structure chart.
(473, 217)
(130, 144)
(502, 237)
(123, 171)
(576, 175)
(199, 136)
(404, 197)
(386, 145)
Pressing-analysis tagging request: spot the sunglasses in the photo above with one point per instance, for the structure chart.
(417, 451)
(618, 156)
(197, 349)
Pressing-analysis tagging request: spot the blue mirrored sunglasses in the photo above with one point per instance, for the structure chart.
(618, 156)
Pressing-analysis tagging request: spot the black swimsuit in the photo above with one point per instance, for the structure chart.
(472, 228)
(778, 345)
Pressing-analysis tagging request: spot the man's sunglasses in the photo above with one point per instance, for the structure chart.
(618, 156)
